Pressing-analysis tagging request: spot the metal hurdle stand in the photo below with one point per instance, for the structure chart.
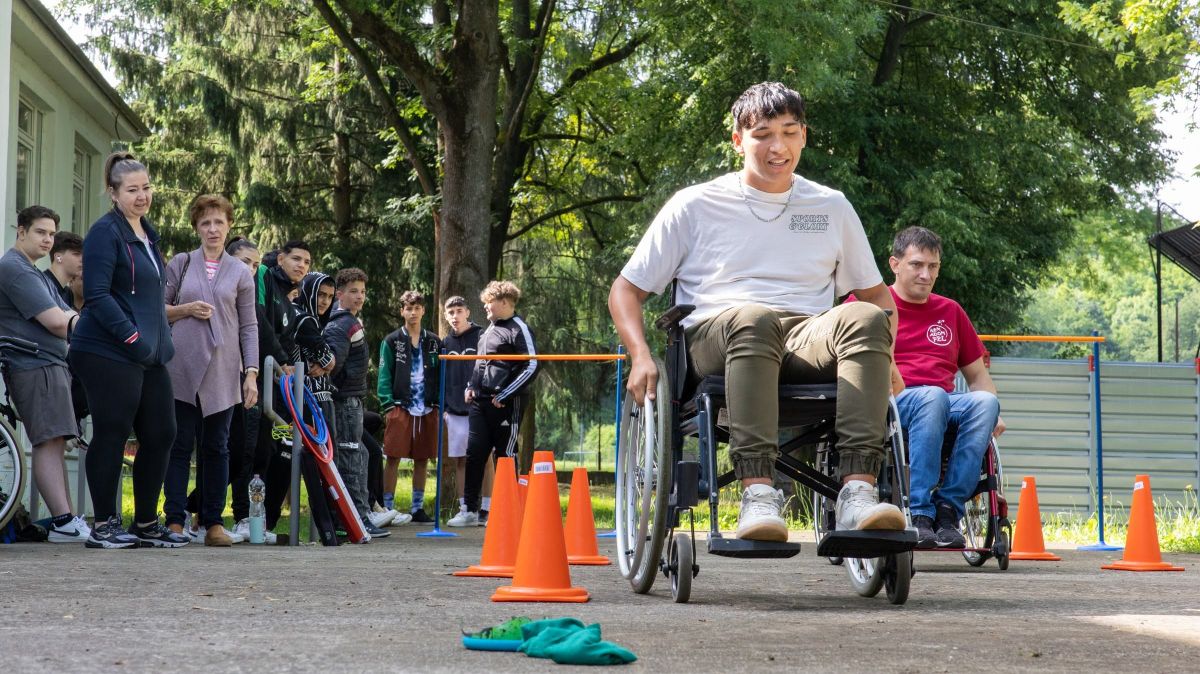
(616, 423)
(273, 369)
(1100, 545)
(437, 532)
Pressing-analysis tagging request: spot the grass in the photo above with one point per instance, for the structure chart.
(1178, 525)
(1178, 521)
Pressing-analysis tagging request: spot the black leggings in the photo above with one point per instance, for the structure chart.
(125, 397)
(372, 422)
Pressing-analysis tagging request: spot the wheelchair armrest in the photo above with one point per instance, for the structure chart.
(674, 315)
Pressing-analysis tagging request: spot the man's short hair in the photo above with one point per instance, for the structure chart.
(766, 100)
(27, 215)
(920, 237)
(411, 297)
(500, 290)
(293, 245)
(349, 275)
(65, 241)
(456, 301)
(210, 202)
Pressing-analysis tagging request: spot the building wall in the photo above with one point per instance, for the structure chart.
(74, 114)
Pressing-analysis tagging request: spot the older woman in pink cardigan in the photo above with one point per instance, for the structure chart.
(210, 304)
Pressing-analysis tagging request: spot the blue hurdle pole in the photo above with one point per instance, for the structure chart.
(437, 511)
(1099, 545)
(617, 426)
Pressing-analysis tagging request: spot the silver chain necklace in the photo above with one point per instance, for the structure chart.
(746, 200)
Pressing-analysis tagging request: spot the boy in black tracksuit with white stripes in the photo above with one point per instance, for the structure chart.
(497, 390)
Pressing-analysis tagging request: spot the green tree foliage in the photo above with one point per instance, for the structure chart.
(438, 144)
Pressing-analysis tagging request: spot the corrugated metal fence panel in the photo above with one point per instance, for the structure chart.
(1150, 425)
(1046, 405)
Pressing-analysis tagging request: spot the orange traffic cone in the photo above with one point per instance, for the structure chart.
(503, 533)
(581, 524)
(523, 488)
(1028, 543)
(1141, 543)
(542, 572)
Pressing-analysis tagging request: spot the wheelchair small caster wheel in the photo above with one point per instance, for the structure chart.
(836, 561)
(681, 568)
(1002, 547)
(897, 577)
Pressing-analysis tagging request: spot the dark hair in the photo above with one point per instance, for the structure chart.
(118, 165)
(412, 297)
(456, 301)
(292, 245)
(238, 243)
(28, 214)
(210, 202)
(271, 258)
(920, 237)
(350, 275)
(766, 100)
(66, 241)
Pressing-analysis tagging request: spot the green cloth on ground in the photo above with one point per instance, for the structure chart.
(567, 641)
(509, 630)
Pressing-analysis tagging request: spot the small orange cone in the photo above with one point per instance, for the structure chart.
(1028, 543)
(503, 533)
(1141, 543)
(542, 572)
(581, 524)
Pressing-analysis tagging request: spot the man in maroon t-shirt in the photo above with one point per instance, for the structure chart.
(934, 341)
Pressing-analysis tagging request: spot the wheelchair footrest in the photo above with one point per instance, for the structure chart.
(866, 544)
(736, 547)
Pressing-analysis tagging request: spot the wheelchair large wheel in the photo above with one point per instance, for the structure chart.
(643, 475)
(866, 575)
(12, 473)
(977, 529)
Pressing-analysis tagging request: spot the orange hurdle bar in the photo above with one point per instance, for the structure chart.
(1041, 338)
(540, 356)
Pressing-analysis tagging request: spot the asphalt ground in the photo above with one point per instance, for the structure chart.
(392, 606)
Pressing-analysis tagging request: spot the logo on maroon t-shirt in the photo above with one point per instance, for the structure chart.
(940, 334)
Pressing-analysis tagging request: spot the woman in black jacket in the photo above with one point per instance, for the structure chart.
(119, 351)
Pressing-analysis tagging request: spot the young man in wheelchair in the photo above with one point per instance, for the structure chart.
(935, 341)
(763, 253)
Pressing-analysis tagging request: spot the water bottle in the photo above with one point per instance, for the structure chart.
(258, 510)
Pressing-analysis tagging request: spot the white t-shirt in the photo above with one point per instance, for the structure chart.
(722, 256)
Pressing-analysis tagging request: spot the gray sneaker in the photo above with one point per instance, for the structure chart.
(858, 508)
(759, 519)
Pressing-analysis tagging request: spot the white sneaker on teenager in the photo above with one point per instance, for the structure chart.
(399, 518)
(242, 529)
(858, 508)
(464, 518)
(759, 518)
(75, 531)
(381, 520)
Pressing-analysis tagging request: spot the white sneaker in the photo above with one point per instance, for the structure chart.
(858, 508)
(381, 520)
(759, 519)
(75, 531)
(464, 518)
(400, 519)
(197, 534)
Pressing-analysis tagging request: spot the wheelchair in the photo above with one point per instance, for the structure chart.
(985, 524)
(657, 482)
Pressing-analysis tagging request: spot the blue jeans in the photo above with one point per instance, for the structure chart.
(926, 412)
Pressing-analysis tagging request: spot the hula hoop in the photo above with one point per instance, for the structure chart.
(315, 440)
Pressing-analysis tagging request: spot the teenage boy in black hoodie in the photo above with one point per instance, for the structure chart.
(408, 399)
(462, 340)
(497, 391)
